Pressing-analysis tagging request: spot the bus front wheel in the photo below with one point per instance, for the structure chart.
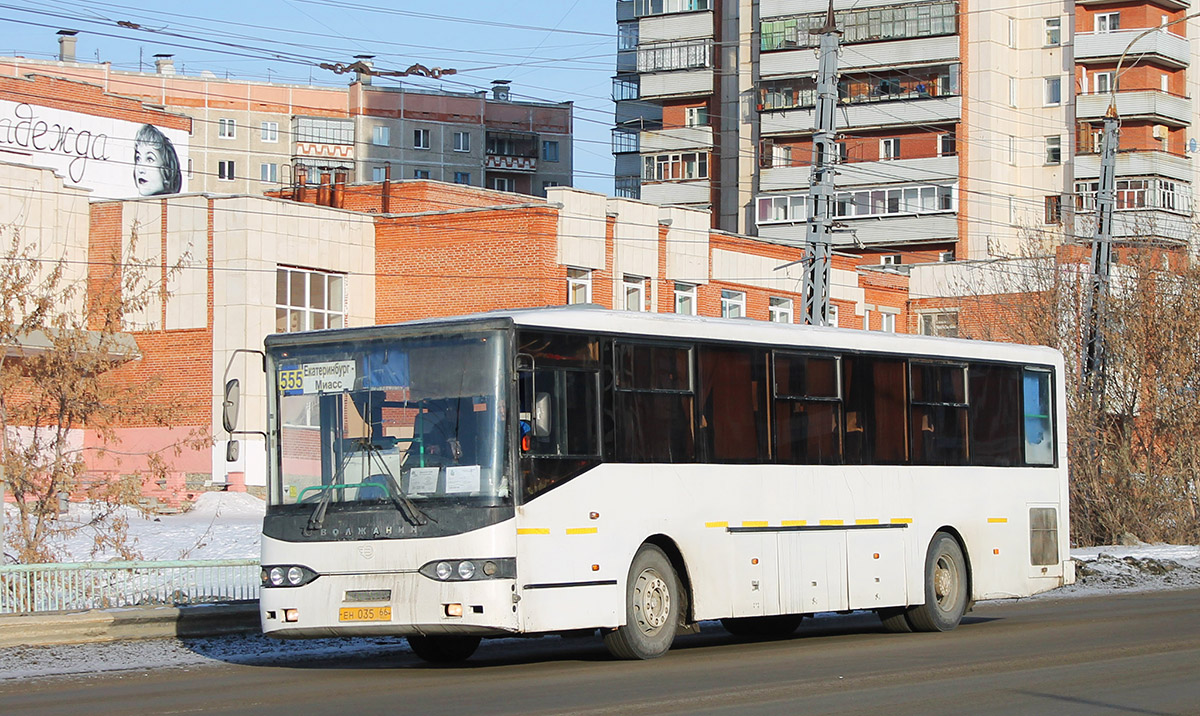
(945, 587)
(653, 603)
(443, 648)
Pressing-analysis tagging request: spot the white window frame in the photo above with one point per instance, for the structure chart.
(1054, 150)
(421, 138)
(1052, 91)
(1102, 82)
(891, 260)
(833, 315)
(1053, 27)
(226, 128)
(1012, 91)
(268, 172)
(780, 310)
(1106, 22)
(887, 320)
(938, 323)
(502, 184)
(381, 135)
(579, 285)
(226, 170)
(867, 319)
(1012, 32)
(297, 313)
(633, 290)
(462, 141)
(695, 116)
(686, 298)
(942, 140)
(889, 149)
(905, 200)
(269, 132)
(733, 303)
(378, 173)
(679, 166)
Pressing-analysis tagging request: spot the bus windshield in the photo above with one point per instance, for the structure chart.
(415, 419)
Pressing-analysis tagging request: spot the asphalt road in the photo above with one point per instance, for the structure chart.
(1121, 654)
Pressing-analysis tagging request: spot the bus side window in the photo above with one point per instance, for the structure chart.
(993, 415)
(733, 405)
(1039, 428)
(938, 413)
(808, 409)
(653, 401)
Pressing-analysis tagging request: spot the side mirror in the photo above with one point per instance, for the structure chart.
(229, 412)
(541, 415)
(233, 450)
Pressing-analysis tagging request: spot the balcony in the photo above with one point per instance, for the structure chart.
(686, 83)
(923, 50)
(1164, 47)
(679, 138)
(1151, 105)
(1147, 163)
(662, 28)
(511, 152)
(1141, 225)
(927, 170)
(1172, 4)
(677, 192)
(927, 110)
(932, 228)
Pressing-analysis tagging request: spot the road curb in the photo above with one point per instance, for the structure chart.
(132, 623)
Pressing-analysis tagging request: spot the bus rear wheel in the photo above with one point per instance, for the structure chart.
(772, 627)
(945, 587)
(444, 648)
(653, 604)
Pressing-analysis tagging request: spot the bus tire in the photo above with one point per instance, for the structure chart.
(653, 601)
(773, 627)
(894, 620)
(443, 648)
(945, 587)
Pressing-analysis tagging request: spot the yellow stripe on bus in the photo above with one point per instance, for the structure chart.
(832, 523)
(533, 531)
(997, 520)
(581, 530)
(902, 520)
(866, 522)
(716, 524)
(794, 523)
(755, 523)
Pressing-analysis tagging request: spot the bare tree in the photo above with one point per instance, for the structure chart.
(65, 341)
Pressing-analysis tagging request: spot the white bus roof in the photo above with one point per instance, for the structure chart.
(597, 320)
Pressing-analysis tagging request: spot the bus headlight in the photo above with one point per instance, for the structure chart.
(468, 570)
(287, 575)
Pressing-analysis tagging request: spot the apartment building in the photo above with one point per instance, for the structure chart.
(964, 128)
(250, 137)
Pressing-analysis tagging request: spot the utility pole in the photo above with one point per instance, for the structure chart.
(1101, 263)
(818, 241)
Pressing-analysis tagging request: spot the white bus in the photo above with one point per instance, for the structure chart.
(565, 469)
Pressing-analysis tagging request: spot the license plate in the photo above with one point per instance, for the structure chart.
(365, 614)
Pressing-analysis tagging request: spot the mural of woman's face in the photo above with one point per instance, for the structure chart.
(148, 169)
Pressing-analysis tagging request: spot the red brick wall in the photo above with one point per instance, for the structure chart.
(86, 99)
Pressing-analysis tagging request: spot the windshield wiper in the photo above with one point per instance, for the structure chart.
(403, 504)
(317, 518)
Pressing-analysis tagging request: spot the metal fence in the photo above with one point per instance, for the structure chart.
(28, 588)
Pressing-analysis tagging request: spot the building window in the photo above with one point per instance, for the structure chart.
(420, 173)
(1139, 193)
(635, 293)
(685, 298)
(579, 285)
(895, 201)
(867, 319)
(887, 321)
(1012, 150)
(833, 315)
(1012, 32)
(890, 22)
(381, 135)
(420, 139)
(941, 323)
(947, 145)
(627, 36)
(623, 141)
(378, 173)
(626, 87)
(269, 131)
(891, 260)
(1053, 31)
(1103, 83)
(549, 151)
(462, 177)
(225, 170)
(322, 130)
(1053, 95)
(1054, 150)
(663, 7)
(627, 187)
(695, 117)
(308, 300)
(733, 304)
(269, 172)
(462, 141)
(1108, 22)
(226, 128)
(675, 167)
(1012, 91)
(945, 257)
(779, 310)
(678, 55)
(502, 183)
(1053, 210)
(889, 148)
